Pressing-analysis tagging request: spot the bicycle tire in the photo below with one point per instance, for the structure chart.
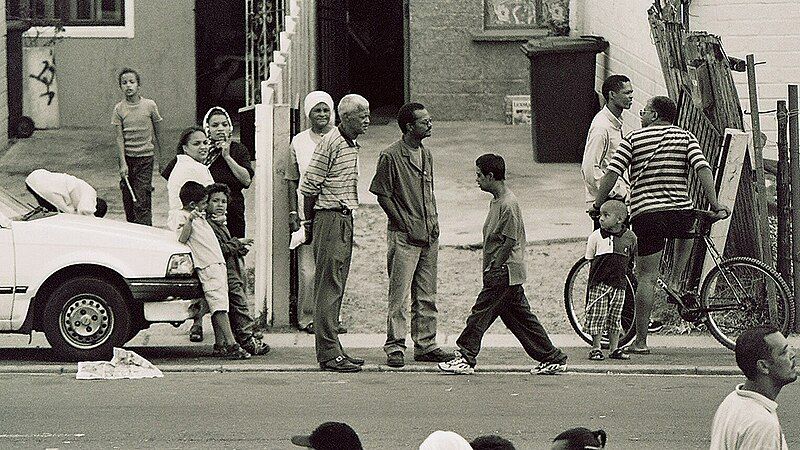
(575, 305)
(751, 276)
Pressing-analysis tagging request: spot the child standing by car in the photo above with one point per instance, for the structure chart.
(138, 125)
(193, 230)
(611, 250)
(233, 249)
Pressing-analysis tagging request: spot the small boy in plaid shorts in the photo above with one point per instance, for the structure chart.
(611, 250)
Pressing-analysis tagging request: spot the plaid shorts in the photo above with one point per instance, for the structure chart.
(604, 309)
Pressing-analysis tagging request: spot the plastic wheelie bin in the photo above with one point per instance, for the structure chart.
(563, 97)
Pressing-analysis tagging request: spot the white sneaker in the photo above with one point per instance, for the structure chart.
(457, 365)
(549, 368)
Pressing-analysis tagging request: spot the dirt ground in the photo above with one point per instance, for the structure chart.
(459, 281)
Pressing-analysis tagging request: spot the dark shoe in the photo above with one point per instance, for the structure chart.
(341, 329)
(354, 360)
(631, 350)
(233, 351)
(618, 354)
(308, 329)
(196, 334)
(339, 364)
(436, 356)
(256, 347)
(395, 359)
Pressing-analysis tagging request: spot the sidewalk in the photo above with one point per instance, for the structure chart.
(171, 352)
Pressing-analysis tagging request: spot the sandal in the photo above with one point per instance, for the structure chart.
(596, 355)
(618, 354)
(196, 334)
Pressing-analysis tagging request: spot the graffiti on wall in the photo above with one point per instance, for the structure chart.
(46, 77)
(510, 13)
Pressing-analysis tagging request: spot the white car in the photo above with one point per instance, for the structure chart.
(89, 284)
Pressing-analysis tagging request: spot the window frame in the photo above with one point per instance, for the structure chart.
(92, 31)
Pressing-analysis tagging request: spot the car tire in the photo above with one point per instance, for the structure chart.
(85, 318)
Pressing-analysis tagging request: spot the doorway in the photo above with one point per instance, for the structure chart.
(363, 50)
(220, 43)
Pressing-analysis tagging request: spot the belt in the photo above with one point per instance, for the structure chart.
(342, 211)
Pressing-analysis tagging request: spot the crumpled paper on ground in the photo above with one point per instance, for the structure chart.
(124, 364)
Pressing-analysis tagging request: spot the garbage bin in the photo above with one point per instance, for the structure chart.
(563, 98)
(18, 125)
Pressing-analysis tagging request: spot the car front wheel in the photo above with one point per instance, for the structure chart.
(85, 318)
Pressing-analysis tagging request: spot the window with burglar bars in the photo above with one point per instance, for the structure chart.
(72, 12)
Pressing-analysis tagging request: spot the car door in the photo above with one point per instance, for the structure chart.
(7, 271)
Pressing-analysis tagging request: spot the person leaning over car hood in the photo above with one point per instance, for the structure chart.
(65, 193)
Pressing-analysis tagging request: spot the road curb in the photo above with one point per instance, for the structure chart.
(373, 368)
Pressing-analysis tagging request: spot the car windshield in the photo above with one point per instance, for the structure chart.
(14, 209)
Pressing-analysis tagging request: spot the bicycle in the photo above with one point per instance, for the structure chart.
(738, 293)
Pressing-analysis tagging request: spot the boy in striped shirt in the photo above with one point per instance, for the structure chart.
(658, 157)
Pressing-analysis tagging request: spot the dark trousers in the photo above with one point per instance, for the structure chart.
(511, 305)
(235, 216)
(140, 176)
(242, 322)
(333, 247)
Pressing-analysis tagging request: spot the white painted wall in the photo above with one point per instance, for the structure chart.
(3, 81)
(770, 29)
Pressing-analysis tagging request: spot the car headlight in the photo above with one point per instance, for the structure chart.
(180, 265)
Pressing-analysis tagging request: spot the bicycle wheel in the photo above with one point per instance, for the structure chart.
(738, 294)
(575, 289)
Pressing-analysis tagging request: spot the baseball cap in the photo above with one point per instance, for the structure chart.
(330, 436)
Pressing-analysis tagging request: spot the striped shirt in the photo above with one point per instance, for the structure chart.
(332, 174)
(661, 183)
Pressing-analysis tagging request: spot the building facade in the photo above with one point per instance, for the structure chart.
(767, 29)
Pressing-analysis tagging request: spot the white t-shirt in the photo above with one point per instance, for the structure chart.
(203, 242)
(186, 169)
(747, 420)
(67, 193)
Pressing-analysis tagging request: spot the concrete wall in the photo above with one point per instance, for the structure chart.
(3, 83)
(455, 77)
(767, 28)
(163, 52)
(624, 24)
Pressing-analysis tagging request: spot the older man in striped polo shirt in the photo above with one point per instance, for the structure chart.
(658, 157)
(330, 191)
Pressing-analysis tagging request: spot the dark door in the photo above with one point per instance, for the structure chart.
(219, 54)
(333, 65)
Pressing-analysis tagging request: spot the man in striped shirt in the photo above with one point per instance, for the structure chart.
(658, 157)
(330, 194)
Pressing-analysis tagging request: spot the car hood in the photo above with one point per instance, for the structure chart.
(96, 232)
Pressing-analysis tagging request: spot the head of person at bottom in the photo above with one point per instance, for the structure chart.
(766, 359)
(414, 121)
(354, 112)
(491, 442)
(193, 196)
(612, 215)
(330, 436)
(490, 172)
(445, 440)
(580, 438)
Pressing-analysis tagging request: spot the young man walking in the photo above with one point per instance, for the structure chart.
(403, 183)
(503, 276)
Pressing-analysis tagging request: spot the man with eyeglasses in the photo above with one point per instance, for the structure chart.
(658, 157)
(403, 183)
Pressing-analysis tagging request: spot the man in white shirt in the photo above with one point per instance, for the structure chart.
(605, 134)
(65, 193)
(747, 418)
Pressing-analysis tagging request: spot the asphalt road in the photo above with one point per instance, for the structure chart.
(389, 410)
